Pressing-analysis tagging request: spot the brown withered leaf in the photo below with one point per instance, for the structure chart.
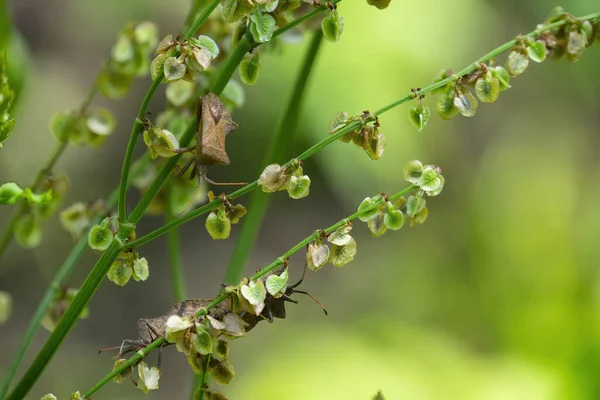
(216, 124)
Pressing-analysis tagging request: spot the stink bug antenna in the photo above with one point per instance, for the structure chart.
(313, 298)
(109, 348)
(294, 286)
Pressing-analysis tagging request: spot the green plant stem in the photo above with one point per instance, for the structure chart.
(174, 250)
(259, 201)
(227, 70)
(201, 18)
(200, 392)
(139, 355)
(264, 271)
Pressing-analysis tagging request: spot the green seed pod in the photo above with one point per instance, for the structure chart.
(249, 69)
(62, 125)
(174, 69)
(576, 45)
(375, 144)
(234, 10)
(537, 51)
(338, 121)
(443, 74)
(218, 225)
(75, 396)
(420, 217)
(393, 219)
(377, 225)
(414, 204)
(100, 123)
(556, 14)
(236, 213)
(221, 370)
(198, 59)
(342, 255)
(430, 179)
(412, 171)
(28, 231)
(179, 92)
(273, 178)
(517, 61)
(276, 284)
(503, 77)
(9, 193)
(221, 349)
(361, 139)
(262, 27)
(140, 269)
(203, 342)
(215, 396)
(207, 43)
(466, 103)
(332, 26)
(120, 273)
(148, 377)
(49, 396)
(487, 88)
(445, 104)
(365, 204)
(160, 142)
(381, 4)
(100, 237)
(298, 186)
(114, 84)
(146, 34)
(317, 256)
(255, 292)
(419, 116)
(157, 66)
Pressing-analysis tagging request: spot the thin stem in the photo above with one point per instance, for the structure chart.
(174, 250)
(201, 18)
(200, 392)
(259, 201)
(139, 355)
(236, 57)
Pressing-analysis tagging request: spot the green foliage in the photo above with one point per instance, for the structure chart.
(7, 97)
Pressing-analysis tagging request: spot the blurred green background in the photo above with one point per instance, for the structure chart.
(496, 297)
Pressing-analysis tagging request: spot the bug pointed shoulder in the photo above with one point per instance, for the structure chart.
(216, 124)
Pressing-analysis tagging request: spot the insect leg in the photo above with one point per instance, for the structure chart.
(224, 183)
(184, 169)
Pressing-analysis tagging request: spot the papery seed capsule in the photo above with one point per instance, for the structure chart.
(487, 88)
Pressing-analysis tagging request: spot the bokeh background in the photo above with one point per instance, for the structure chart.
(497, 296)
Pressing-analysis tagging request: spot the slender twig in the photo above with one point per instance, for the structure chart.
(200, 392)
(283, 135)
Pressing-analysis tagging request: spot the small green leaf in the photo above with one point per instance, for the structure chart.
(367, 203)
(419, 116)
(487, 87)
(412, 171)
(342, 255)
(203, 342)
(393, 219)
(218, 225)
(465, 103)
(332, 26)
(100, 238)
(250, 70)
(298, 187)
(173, 69)
(262, 27)
(517, 61)
(537, 51)
(276, 284)
(234, 10)
(148, 377)
(5, 306)
(140, 269)
(317, 256)
(381, 4)
(119, 273)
